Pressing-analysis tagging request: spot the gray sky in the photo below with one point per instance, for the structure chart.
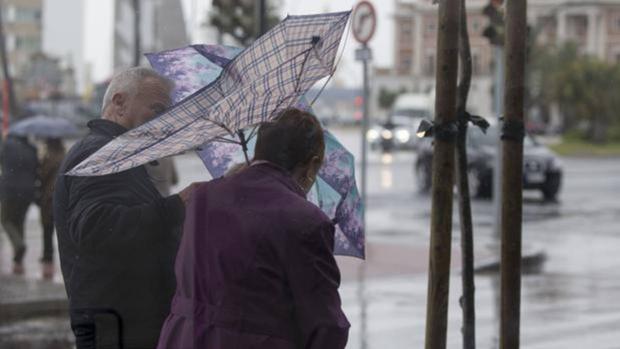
(97, 47)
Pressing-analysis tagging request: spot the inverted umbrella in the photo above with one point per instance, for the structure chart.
(44, 127)
(335, 190)
(262, 80)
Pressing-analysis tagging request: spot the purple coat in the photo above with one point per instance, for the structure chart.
(255, 269)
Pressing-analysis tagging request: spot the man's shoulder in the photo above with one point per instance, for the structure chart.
(83, 149)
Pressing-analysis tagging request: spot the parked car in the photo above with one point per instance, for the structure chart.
(542, 169)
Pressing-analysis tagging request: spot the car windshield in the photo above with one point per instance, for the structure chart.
(401, 120)
(408, 117)
(411, 113)
(479, 139)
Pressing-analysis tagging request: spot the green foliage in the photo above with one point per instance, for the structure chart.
(238, 18)
(582, 148)
(583, 87)
(388, 97)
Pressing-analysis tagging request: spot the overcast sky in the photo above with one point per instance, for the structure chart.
(97, 35)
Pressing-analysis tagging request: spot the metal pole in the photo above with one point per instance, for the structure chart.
(261, 17)
(443, 176)
(8, 81)
(136, 33)
(364, 140)
(497, 172)
(512, 172)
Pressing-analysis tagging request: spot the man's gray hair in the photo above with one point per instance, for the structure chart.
(129, 80)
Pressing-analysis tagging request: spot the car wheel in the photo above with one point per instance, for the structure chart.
(479, 186)
(473, 178)
(551, 188)
(423, 176)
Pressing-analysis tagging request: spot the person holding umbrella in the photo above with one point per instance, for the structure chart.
(117, 236)
(255, 268)
(17, 191)
(48, 170)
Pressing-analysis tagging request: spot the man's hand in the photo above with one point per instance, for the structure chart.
(187, 193)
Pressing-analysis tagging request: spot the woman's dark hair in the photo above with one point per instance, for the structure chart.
(293, 138)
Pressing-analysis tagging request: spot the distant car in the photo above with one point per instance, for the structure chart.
(541, 167)
(397, 133)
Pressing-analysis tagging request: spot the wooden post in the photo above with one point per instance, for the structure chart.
(512, 173)
(443, 175)
(467, 300)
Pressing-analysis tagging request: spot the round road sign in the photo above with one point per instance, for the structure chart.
(364, 21)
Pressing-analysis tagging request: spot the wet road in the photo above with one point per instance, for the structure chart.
(572, 303)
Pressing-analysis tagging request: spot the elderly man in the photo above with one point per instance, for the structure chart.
(117, 235)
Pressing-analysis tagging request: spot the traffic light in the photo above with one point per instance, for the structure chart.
(495, 30)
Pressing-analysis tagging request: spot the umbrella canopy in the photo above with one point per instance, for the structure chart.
(262, 80)
(335, 190)
(44, 127)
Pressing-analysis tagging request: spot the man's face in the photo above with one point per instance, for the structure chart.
(152, 98)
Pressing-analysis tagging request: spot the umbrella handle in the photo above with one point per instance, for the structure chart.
(244, 145)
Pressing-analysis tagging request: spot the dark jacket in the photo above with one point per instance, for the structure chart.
(117, 239)
(19, 169)
(48, 170)
(255, 269)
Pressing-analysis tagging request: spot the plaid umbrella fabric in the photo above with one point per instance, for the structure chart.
(335, 191)
(262, 80)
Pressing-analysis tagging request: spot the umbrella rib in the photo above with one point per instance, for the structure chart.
(346, 40)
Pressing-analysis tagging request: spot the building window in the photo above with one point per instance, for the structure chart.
(431, 26)
(475, 63)
(27, 44)
(429, 64)
(405, 32)
(577, 26)
(615, 23)
(405, 65)
(27, 15)
(475, 25)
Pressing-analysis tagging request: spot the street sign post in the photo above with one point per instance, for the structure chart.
(364, 23)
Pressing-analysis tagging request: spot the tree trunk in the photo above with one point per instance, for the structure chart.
(467, 230)
(443, 176)
(512, 172)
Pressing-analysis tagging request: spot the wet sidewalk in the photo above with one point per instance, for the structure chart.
(33, 311)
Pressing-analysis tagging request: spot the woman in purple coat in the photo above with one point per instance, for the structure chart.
(255, 268)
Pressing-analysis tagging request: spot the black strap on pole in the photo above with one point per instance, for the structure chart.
(449, 130)
(513, 130)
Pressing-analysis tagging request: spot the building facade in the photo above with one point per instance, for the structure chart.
(23, 31)
(594, 25)
(162, 27)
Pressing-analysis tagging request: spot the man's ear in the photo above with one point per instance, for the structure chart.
(118, 101)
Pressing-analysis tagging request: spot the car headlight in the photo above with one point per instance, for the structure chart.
(387, 134)
(554, 164)
(372, 135)
(403, 136)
